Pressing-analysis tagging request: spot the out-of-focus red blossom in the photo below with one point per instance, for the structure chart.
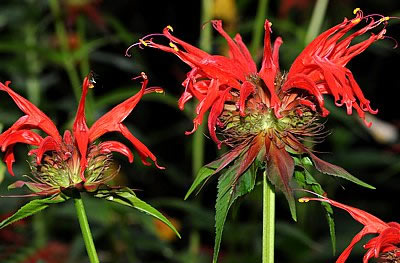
(385, 246)
(74, 160)
(74, 41)
(89, 8)
(286, 5)
(53, 252)
(266, 114)
(9, 235)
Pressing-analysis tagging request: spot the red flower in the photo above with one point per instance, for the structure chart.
(318, 70)
(73, 160)
(385, 246)
(265, 114)
(88, 8)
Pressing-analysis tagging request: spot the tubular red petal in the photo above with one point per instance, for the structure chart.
(111, 121)
(345, 254)
(215, 111)
(189, 48)
(143, 151)
(35, 117)
(206, 103)
(80, 128)
(21, 136)
(246, 90)
(246, 53)
(269, 68)
(9, 159)
(114, 146)
(235, 50)
(47, 144)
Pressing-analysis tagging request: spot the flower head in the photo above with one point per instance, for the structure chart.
(266, 114)
(385, 246)
(74, 160)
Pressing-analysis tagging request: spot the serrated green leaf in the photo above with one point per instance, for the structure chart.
(31, 208)
(212, 168)
(227, 195)
(126, 196)
(204, 172)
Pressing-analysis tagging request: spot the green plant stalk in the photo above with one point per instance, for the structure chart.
(205, 44)
(258, 26)
(316, 20)
(33, 64)
(87, 235)
(268, 225)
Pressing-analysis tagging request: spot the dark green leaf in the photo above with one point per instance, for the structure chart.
(31, 208)
(227, 194)
(126, 196)
(331, 169)
(304, 179)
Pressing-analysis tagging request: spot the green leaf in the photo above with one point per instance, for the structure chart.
(214, 167)
(304, 179)
(31, 208)
(126, 196)
(331, 169)
(227, 194)
(204, 172)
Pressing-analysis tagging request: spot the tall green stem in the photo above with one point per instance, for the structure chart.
(316, 20)
(205, 44)
(268, 235)
(87, 235)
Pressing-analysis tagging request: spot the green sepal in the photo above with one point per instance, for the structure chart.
(32, 208)
(228, 192)
(127, 197)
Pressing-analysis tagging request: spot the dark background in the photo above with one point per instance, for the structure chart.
(30, 52)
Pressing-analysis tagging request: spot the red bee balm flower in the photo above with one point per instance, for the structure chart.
(384, 247)
(266, 114)
(74, 160)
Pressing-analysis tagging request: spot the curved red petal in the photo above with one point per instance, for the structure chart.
(47, 144)
(111, 121)
(35, 117)
(114, 146)
(21, 136)
(80, 128)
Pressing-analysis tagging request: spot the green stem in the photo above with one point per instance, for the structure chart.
(268, 235)
(316, 20)
(258, 26)
(205, 44)
(87, 235)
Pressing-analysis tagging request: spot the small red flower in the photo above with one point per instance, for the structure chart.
(74, 160)
(88, 8)
(385, 246)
